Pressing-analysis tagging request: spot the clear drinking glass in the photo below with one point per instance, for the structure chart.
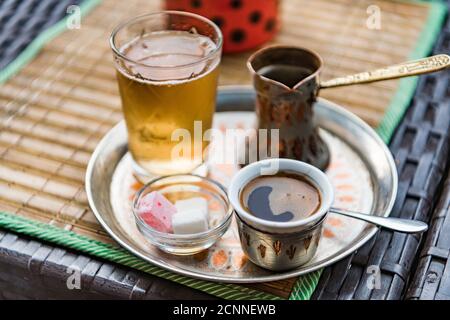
(182, 187)
(167, 68)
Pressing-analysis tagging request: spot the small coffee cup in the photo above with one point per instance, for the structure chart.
(277, 245)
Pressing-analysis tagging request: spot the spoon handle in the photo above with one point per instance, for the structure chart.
(406, 69)
(395, 224)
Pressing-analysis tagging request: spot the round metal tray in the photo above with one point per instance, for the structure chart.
(369, 174)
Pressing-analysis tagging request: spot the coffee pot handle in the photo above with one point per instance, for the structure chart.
(406, 69)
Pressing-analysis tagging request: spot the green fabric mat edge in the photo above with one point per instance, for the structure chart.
(407, 86)
(41, 40)
(115, 254)
(305, 285)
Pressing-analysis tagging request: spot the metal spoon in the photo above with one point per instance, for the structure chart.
(395, 224)
(405, 69)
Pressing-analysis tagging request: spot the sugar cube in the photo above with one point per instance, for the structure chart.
(191, 216)
(188, 222)
(198, 203)
(157, 211)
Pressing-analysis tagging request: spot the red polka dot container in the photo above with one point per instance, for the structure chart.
(245, 24)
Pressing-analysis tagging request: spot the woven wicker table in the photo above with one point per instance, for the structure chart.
(421, 150)
(410, 267)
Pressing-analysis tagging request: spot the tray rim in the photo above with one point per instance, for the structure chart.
(233, 89)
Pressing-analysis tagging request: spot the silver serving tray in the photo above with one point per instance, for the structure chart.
(333, 119)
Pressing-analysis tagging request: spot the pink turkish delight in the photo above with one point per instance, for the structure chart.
(157, 211)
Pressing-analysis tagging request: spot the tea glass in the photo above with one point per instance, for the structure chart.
(165, 105)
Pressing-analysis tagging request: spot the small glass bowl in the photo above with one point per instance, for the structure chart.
(180, 187)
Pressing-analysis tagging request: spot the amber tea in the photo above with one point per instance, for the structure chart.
(167, 81)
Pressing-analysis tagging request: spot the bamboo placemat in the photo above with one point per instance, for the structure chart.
(56, 109)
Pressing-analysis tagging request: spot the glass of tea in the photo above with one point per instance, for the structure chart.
(167, 69)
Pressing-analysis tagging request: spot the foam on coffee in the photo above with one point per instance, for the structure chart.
(283, 197)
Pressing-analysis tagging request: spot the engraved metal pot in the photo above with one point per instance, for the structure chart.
(290, 108)
(279, 251)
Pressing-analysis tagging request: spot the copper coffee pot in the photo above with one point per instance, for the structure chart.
(285, 98)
